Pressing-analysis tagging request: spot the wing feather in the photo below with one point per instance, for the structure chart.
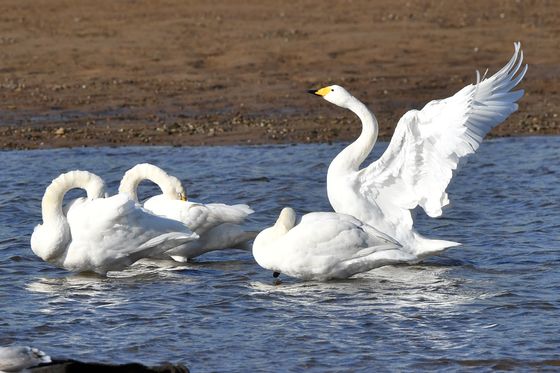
(111, 233)
(199, 217)
(429, 144)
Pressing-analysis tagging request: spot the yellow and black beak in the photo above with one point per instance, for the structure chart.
(320, 92)
(183, 197)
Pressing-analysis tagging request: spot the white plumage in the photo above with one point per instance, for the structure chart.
(100, 234)
(418, 164)
(18, 358)
(325, 245)
(217, 224)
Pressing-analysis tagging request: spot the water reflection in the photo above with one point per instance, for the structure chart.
(391, 287)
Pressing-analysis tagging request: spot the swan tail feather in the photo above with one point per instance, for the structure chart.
(230, 213)
(383, 255)
(424, 247)
(244, 208)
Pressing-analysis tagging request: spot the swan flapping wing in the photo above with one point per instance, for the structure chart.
(428, 144)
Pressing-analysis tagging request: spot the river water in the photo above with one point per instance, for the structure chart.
(492, 303)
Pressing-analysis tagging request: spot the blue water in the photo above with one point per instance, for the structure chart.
(492, 303)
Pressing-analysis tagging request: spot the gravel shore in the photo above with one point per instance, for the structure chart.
(225, 72)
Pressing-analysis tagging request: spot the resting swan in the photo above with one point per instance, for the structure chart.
(217, 224)
(18, 358)
(418, 164)
(100, 234)
(325, 245)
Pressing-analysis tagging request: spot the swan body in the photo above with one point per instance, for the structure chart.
(223, 236)
(325, 245)
(198, 216)
(217, 224)
(100, 234)
(418, 164)
(18, 358)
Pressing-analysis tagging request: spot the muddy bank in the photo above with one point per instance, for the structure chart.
(218, 72)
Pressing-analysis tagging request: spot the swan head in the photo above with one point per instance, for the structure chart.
(334, 94)
(176, 190)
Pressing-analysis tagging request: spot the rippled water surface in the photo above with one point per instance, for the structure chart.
(493, 302)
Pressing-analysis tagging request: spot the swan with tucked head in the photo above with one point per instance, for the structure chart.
(325, 245)
(418, 164)
(100, 234)
(219, 225)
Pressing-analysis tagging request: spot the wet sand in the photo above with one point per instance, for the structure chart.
(218, 72)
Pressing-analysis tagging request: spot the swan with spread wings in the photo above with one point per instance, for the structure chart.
(418, 164)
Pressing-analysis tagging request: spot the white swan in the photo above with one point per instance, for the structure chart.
(217, 224)
(100, 234)
(325, 245)
(418, 164)
(17, 358)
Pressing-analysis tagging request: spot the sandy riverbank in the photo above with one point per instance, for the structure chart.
(219, 72)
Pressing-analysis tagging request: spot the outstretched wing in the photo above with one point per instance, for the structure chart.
(428, 144)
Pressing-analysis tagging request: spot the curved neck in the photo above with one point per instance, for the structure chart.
(354, 154)
(54, 194)
(169, 185)
(264, 254)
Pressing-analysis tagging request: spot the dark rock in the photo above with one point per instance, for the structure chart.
(73, 366)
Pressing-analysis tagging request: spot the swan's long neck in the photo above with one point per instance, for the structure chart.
(54, 194)
(169, 185)
(265, 255)
(286, 220)
(354, 154)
